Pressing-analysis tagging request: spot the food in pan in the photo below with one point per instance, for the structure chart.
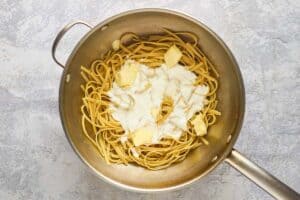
(149, 100)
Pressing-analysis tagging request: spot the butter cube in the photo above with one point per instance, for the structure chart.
(142, 136)
(172, 56)
(127, 75)
(116, 45)
(199, 125)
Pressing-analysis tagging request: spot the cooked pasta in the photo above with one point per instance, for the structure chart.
(105, 132)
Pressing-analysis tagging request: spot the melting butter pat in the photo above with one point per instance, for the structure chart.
(116, 45)
(142, 136)
(128, 73)
(172, 56)
(199, 125)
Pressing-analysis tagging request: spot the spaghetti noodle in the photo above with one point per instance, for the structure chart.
(106, 133)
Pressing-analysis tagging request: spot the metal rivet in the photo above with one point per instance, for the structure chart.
(214, 159)
(228, 138)
(104, 27)
(68, 77)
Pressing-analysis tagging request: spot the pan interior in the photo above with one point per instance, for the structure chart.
(221, 136)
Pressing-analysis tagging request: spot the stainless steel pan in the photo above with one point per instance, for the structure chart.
(222, 135)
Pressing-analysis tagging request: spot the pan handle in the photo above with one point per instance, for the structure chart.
(61, 34)
(261, 177)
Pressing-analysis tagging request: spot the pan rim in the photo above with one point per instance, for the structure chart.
(211, 167)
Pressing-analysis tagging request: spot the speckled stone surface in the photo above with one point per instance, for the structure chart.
(37, 162)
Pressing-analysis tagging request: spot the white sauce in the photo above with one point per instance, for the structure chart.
(123, 138)
(134, 152)
(176, 82)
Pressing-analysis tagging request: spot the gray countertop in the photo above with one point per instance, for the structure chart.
(37, 162)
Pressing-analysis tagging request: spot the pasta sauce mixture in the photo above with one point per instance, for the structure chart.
(150, 100)
(136, 106)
